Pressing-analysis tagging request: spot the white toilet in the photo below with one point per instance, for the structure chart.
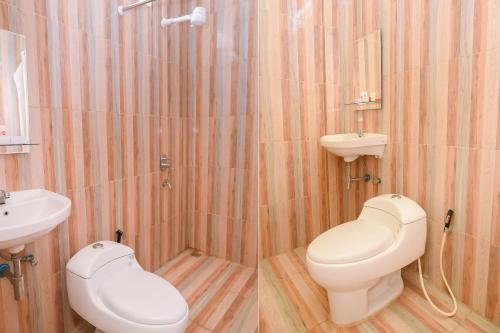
(359, 262)
(109, 289)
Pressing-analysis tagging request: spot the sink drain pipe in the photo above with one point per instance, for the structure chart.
(350, 179)
(15, 274)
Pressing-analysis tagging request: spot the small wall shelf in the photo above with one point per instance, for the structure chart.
(372, 105)
(365, 103)
(19, 144)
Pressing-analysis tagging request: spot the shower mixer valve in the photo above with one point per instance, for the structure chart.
(166, 183)
(165, 162)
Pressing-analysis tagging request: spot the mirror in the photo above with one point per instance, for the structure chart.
(366, 92)
(14, 130)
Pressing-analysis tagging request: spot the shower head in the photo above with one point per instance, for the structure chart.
(198, 17)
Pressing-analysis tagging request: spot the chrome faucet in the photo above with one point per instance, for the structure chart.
(360, 125)
(360, 132)
(4, 195)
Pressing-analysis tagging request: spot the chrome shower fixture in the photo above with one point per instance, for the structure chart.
(198, 17)
(123, 9)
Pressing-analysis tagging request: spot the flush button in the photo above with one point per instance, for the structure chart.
(98, 246)
(395, 196)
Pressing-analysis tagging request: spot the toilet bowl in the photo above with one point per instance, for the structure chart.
(359, 262)
(108, 288)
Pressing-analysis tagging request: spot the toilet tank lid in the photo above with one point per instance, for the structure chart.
(94, 256)
(402, 208)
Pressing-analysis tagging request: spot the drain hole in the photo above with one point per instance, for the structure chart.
(195, 254)
(5, 213)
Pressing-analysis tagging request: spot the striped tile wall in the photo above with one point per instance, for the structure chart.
(441, 72)
(441, 112)
(294, 187)
(97, 104)
(107, 96)
(220, 131)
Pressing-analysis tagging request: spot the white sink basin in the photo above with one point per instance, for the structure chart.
(28, 215)
(350, 146)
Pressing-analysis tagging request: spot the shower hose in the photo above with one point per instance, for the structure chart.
(455, 306)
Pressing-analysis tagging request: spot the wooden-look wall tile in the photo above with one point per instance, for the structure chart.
(220, 130)
(440, 112)
(95, 104)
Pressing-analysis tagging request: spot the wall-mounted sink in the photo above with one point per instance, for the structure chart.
(350, 145)
(28, 215)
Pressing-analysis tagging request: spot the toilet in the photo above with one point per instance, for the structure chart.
(108, 288)
(359, 262)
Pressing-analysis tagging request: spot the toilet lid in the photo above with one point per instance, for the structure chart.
(350, 242)
(144, 298)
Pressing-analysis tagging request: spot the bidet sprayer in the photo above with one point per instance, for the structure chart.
(447, 221)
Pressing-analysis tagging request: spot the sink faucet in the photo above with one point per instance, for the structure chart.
(360, 132)
(360, 124)
(4, 195)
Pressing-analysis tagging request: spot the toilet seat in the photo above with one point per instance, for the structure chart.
(144, 298)
(350, 242)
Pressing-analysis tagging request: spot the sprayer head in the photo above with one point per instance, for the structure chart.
(447, 221)
(199, 16)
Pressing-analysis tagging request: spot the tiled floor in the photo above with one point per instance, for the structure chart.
(222, 295)
(291, 302)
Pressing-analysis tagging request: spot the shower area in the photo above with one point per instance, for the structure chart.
(203, 154)
(196, 131)
(194, 128)
(209, 128)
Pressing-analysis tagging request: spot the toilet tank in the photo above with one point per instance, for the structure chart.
(392, 210)
(90, 267)
(402, 208)
(86, 262)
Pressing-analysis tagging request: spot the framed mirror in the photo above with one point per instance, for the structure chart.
(14, 113)
(366, 92)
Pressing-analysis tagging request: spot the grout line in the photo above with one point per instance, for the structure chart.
(318, 325)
